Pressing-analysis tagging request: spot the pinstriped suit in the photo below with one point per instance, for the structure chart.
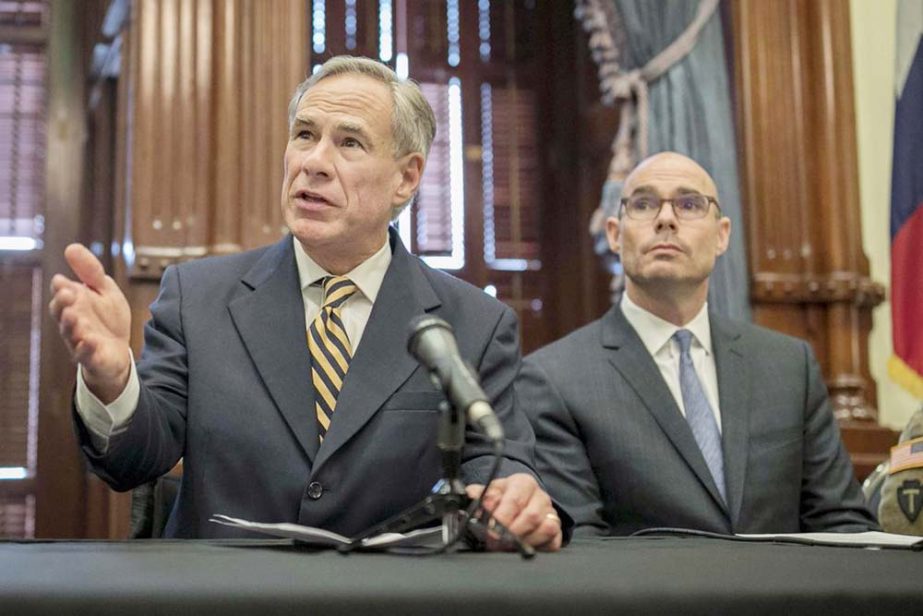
(226, 384)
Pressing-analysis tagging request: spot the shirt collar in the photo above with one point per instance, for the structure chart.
(656, 332)
(367, 276)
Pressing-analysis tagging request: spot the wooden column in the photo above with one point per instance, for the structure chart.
(203, 112)
(59, 506)
(798, 150)
(200, 130)
(208, 89)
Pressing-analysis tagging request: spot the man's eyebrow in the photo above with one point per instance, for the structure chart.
(344, 126)
(353, 128)
(682, 190)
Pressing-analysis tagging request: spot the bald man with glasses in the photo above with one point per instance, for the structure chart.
(662, 414)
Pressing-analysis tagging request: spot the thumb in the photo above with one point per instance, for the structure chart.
(474, 490)
(86, 266)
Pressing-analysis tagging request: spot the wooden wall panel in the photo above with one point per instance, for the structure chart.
(169, 99)
(577, 130)
(275, 60)
(200, 127)
(796, 124)
(209, 84)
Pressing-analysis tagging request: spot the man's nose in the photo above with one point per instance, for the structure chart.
(317, 160)
(666, 217)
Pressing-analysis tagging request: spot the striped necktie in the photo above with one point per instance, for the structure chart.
(699, 413)
(330, 349)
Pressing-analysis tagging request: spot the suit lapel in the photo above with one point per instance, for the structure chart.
(381, 364)
(629, 356)
(269, 316)
(734, 399)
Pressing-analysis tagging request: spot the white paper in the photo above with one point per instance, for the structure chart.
(424, 537)
(866, 539)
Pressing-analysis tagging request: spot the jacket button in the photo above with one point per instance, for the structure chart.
(315, 490)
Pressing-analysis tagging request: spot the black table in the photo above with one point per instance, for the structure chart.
(626, 576)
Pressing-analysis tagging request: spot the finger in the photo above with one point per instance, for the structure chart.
(491, 500)
(533, 515)
(74, 332)
(516, 494)
(554, 545)
(493, 494)
(474, 490)
(547, 534)
(86, 266)
(59, 281)
(67, 322)
(67, 343)
(61, 300)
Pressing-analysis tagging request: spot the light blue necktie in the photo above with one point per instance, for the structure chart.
(699, 413)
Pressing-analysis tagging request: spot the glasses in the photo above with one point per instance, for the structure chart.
(685, 207)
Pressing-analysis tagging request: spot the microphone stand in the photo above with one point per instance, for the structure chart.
(448, 502)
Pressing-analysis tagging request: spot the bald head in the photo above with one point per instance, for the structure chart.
(672, 168)
(667, 255)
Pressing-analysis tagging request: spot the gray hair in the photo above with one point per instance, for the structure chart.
(413, 124)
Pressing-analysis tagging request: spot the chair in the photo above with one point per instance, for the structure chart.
(152, 503)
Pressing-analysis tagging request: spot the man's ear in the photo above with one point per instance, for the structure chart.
(612, 233)
(411, 170)
(724, 236)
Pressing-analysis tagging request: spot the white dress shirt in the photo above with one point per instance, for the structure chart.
(657, 336)
(104, 420)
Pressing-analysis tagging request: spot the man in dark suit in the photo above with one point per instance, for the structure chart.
(661, 414)
(280, 375)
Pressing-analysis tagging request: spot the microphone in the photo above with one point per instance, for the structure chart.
(432, 343)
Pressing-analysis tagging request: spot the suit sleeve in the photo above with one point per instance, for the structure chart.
(830, 496)
(560, 455)
(497, 371)
(153, 440)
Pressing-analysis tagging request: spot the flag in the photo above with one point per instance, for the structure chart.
(906, 366)
(908, 454)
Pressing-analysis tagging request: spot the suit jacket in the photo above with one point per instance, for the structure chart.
(615, 451)
(225, 383)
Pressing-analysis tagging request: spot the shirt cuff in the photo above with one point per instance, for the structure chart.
(104, 420)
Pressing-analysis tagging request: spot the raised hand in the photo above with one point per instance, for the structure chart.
(94, 320)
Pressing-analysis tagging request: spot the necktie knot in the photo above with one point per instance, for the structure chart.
(684, 339)
(337, 289)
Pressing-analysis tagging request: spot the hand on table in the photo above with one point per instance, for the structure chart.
(520, 504)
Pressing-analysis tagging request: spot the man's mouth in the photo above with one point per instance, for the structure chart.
(667, 246)
(308, 198)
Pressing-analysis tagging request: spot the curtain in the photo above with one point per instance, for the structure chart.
(688, 111)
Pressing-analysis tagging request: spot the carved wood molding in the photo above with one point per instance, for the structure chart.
(837, 287)
(150, 261)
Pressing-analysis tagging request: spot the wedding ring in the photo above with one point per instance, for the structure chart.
(553, 516)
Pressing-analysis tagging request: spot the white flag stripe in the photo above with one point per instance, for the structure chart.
(909, 33)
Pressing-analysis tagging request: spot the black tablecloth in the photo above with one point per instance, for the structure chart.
(627, 576)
